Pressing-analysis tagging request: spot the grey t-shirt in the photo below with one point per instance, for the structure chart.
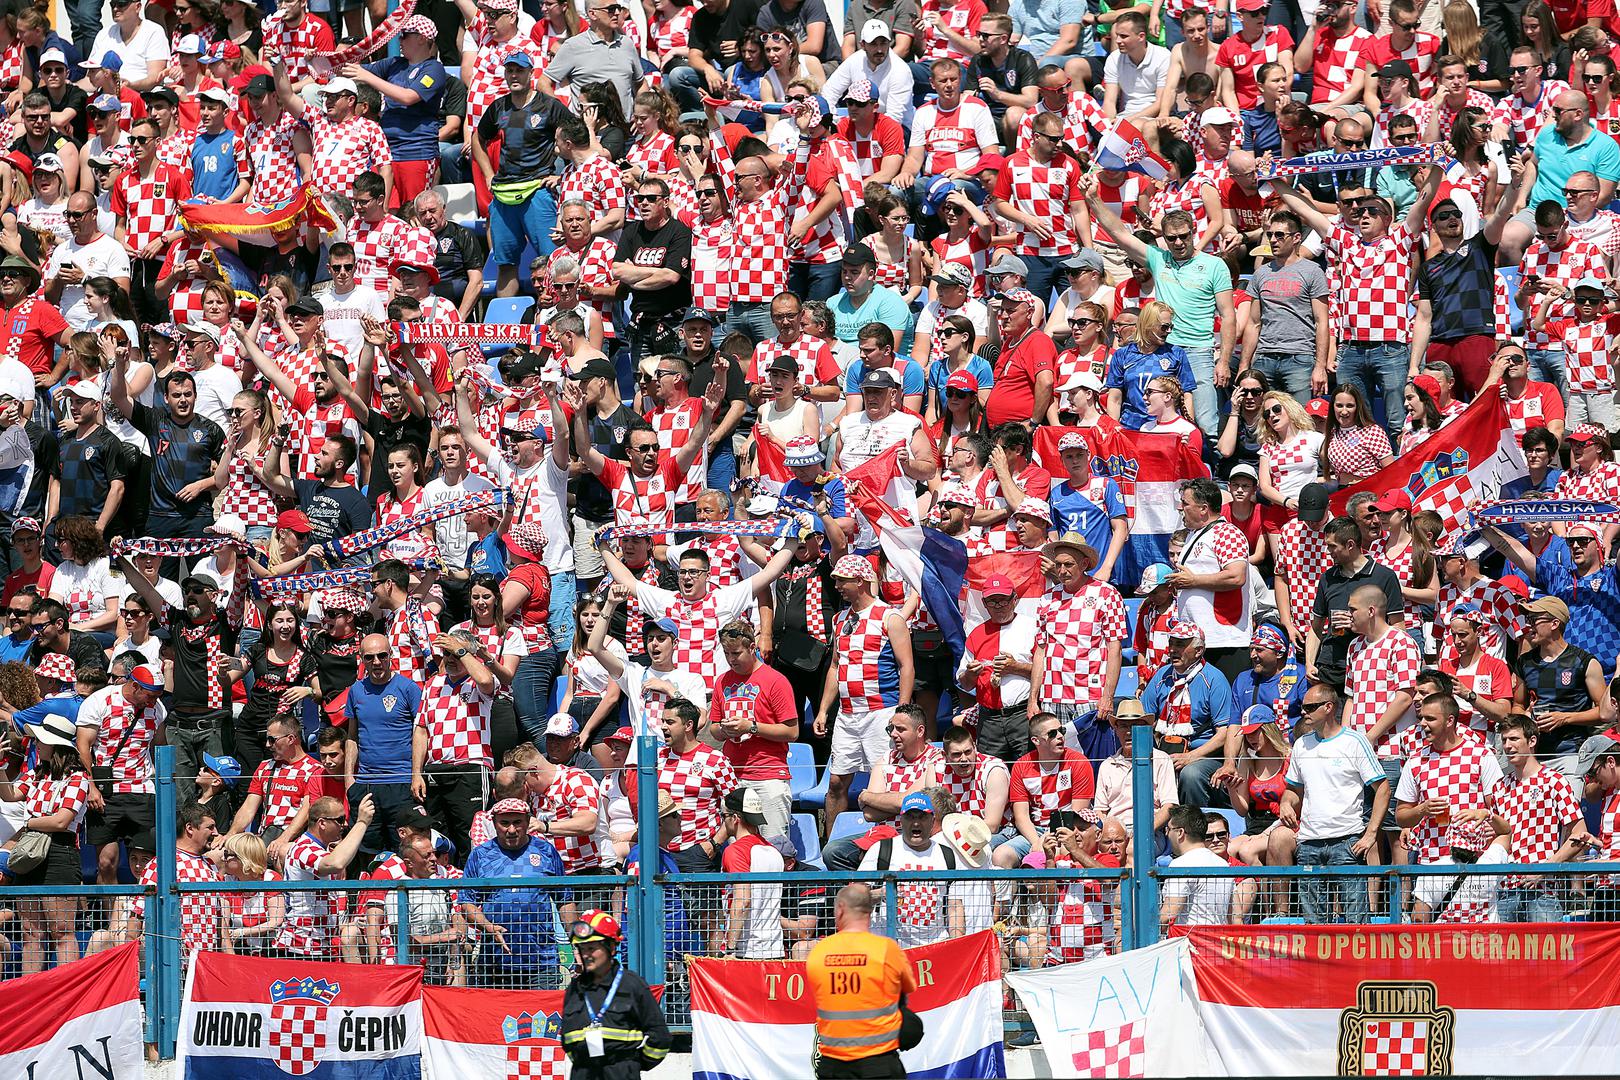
(1287, 325)
(901, 16)
(798, 23)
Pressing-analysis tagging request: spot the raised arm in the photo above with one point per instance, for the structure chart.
(1117, 230)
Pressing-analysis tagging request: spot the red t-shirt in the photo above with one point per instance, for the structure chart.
(768, 697)
(1046, 791)
(38, 332)
(1013, 396)
(18, 579)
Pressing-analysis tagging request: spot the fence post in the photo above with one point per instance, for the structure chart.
(402, 926)
(646, 892)
(163, 910)
(891, 908)
(1144, 888)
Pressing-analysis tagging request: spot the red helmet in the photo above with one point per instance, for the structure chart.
(596, 926)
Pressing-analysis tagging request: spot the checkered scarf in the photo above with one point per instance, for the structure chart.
(342, 547)
(1431, 154)
(491, 390)
(186, 548)
(416, 627)
(290, 585)
(815, 618)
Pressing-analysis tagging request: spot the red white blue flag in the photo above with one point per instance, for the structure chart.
(82, 1019)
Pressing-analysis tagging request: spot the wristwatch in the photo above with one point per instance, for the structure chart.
(461, 652)
(753, 728)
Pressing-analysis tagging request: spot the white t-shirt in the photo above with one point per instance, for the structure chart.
(342, 319)
(761, 936)
(1332, 773)
(149, 44)
(451, 533)
(1205, 901)
(589, 676)
(974, 311)
(169, 590)
(547, 482)
(1475, 901)
(83, 589)
(633, 682)
(216, 388)
(1138, 83)
(922, 903)
(101, 257)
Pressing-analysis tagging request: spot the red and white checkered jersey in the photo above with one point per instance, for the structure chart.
(669, 36)
(725, 558)
(1413, 108)
(1578, 259)
(1601, 230)
(1601, 484)
(887, 138)
(1609, 831)
(711, 265)
(282, 788)
(456, 717)
(265, 152)
(814, 356)
(1538, 808)
(1358, 451)
(969, 790)
(860, 642)
(246, 495)
(642, 500)
(410, 650)
(1486, 676)
(1051, 785)
(487, 79)
(148, 206)
(376, 245)
(596, 182)
(1334, 59)
(1121, 199)
(699, 781)
(1371, 299)
(1525, 119)
(1461, 776)
(972, 251)
(954, 139)
(675, 427)
(902, 775)
(344, 151)
(655, 155)
(759, 235)
(111, 715)
(1083, 121)
(1075, 630)
(1476, 99)
(962, 16)
(1588, 351)
(1044, 192)
(595, 272)
(42, 796)
(826, 240)
(1243, 58)
(299, 45)
(698, 623)
(199, 912)
(316, 421)
(571, 791)
(1419, 56)
(1084, 923)
(1501, 608)
(311, 927)
(1374, 674)
(1186, 195)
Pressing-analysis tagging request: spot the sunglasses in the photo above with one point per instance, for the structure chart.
(1570, 193)
(1519, 69)
(959, 395)
(646, 198)
(1275, 410)
(1278, 235)
(1055, 733)
(1217, 835)
(1448, 215)
(374, 656)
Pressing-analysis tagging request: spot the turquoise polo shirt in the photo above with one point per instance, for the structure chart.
(1190, 289)
(1557, 161)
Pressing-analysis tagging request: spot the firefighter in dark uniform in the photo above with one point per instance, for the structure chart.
(612, 1027)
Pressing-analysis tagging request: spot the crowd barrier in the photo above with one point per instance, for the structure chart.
(1038, 916)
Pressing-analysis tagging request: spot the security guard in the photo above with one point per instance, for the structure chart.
(858, 980)
(612, 1027)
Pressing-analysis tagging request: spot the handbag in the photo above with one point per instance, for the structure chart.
(102, 775)
(29, 851)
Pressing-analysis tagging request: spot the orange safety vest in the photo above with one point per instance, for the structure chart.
(856, 980)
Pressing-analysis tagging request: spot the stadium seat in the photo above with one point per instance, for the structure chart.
(460, 203)
(849, 823)
(558, 689)
(801, 763)
(505, 309)
(1129, 682)
(1239, 824)
(806, 839)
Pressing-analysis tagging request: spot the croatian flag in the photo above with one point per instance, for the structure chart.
(755, 1020)
(1124, 149)
(1461, 466)
(491, 1033)
(1024, 570)
(1149, 467)
(81, 1019)
(247, 1017)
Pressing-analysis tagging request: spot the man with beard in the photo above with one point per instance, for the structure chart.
(186, 448)
(318, 411)
(332, 503)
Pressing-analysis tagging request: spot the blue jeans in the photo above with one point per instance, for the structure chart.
(561, 615)
(1043, 269)
(531, 692)
(1316, 894)
(722, 468)
(84, 16)
(531, 222)
(1290, 373)
(687, 87)
(921, 82)
(1376, 366)
(1528, 905)
(815, 281)
(453, 166)
(1206, 399)
(1194, 786)
(1547, 365)
(753, 319)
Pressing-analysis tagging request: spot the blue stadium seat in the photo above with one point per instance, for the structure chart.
(848, 824)
(801, 763)
(505, 309)
(806, 839)
(816, 798)
(558, 689)
(1129, 682)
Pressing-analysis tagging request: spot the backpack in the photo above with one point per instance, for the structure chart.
(886, 854)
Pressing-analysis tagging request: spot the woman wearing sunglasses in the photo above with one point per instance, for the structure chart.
(1290, 449)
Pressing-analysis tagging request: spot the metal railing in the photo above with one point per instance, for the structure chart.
(1040, 916)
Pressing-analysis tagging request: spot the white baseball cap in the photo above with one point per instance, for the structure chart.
(876, 30)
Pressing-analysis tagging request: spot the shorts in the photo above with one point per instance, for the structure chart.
(1392, 771)
(123, 817)
(859, 743)
(61, 865)
(411, 178)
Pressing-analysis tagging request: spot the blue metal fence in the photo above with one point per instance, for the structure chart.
(641, 898)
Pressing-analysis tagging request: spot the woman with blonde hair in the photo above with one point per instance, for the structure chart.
(251, 919)
(655, 120)
(1146, 357)
(252, 420)
(1168, 412)
(1486, 57)
(1256, 792)
(1290, 449)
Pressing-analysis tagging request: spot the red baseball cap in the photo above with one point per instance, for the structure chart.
(998, 585)
(295, 520)
(1395, 499)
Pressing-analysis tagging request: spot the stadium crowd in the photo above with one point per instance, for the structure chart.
(761, 247)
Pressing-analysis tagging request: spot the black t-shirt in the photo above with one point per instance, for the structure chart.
(457, 251)
(1019, 70)
(1333, 594)
(527, 134)
(333, 512)
(76, 99)
(270, 681)
(337, 662)
(183, 454)
(389, 434)
(45, 444)
(592, 500)
(196, 664)
(82, 649)
(85, 469)
(703, 375)
(709, 30)
(670, 248)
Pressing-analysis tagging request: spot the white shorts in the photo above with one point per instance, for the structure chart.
(860, 743)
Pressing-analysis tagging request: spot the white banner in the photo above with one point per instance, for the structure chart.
(1129, 1015)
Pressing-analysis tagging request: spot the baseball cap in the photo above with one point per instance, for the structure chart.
(110, 61)
(106, 103)
(880, 379)
(857, 255)
(876, 30)
(623, 734)
(57, 56)
(664, 623)
(340, 85)
(1182, 630)
(1547, 605)
(306, 305)
(225, 767)
(1217, 115)
(561, 726)
(595, 368)
(295, 520)
(1015, 297)
(1313, 502)
(953, 273)
(144, 678)
(520, 59)
(962, 380)
(1257, 716)
(697, 314)
(998, 585)
(1579, 433)
(1469, 613)
(1009, 264)
(420, 24)
(1243, 469)
(1253, 5)
(259, 86)
(1592, 283)
(1153, 576)
(860, 92)
(993, 162)
(48, 163)
(85, 389)
(26, 524)
(1084, 259)
(917, 801)
(746, 804)
(1073, 440)
(188, 45)
(783, 363)
(211, 93)
(1394, 499)
(855, 568)
(1594, 747)
(203, 329)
